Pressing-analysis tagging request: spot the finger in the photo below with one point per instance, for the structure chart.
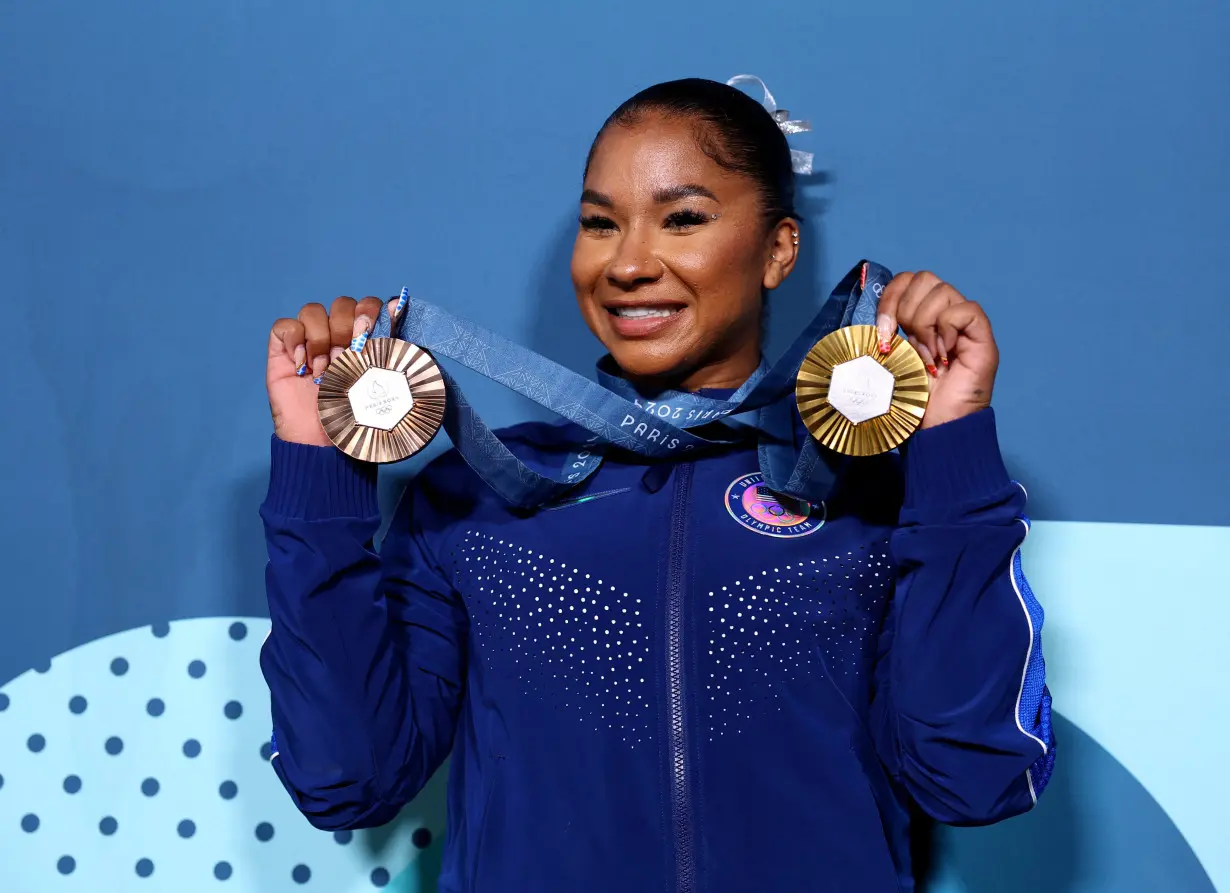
(886, 314)
(965, 318)
(286, 338)
(316, 330)
(928, 310)
(920, 286)
(927, 357)
(365, 316)
(341, 321)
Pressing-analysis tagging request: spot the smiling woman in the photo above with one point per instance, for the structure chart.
(687, 217)
(680, 660)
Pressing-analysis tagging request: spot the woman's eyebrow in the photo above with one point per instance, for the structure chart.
(663, 196)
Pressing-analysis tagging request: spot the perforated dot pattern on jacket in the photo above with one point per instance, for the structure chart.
(820, 615)
(576, 640)
(140, 762)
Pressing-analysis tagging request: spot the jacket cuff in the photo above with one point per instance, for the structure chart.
(313, 483)
(954, 464)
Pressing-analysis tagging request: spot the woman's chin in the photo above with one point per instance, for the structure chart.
(640, 364)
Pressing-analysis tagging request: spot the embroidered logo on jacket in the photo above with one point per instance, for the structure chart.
(759, 510)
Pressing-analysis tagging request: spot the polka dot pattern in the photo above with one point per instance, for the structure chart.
(579, 641)
(154, 774)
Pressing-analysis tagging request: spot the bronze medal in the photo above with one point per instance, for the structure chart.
(384, 403)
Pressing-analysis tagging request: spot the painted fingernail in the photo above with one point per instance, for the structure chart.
(300, 365)
(887, 329)
(944, 362)
(934, 372)
(362, 325)
(319, 365)
(402, 300)
(318, 379)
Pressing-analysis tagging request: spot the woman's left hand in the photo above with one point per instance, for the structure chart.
(952, 335)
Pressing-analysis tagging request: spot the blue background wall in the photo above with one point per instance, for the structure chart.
(175, 176)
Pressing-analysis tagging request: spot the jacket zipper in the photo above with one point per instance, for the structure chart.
(681, 805)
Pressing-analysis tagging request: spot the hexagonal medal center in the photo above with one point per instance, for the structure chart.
(380, 398)
(861, 389)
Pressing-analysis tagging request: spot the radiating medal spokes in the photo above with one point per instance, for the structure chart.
(855, 400)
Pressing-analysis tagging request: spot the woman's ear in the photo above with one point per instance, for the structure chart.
(783, 253)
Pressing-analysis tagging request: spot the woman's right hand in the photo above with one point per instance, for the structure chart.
(300, 350)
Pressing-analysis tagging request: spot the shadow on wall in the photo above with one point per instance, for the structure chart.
(1095, 830)
(558, 332)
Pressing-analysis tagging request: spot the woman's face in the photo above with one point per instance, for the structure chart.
(671, 256)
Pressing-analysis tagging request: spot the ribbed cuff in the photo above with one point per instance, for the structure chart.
(954, 464)
(313, 483)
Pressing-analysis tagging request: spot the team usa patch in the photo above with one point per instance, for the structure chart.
(754, 507)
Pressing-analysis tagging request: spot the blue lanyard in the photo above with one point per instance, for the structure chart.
(617, 416)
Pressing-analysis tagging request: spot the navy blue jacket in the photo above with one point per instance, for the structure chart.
(671, 681)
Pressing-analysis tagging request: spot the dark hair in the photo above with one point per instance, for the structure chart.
(733, 129)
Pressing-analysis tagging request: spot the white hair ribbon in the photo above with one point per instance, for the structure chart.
(800, 161)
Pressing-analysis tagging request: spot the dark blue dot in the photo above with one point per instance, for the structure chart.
(4, 701)
(380, 877)
(108, 826)
(144, 867)
(36, 743)
(66, 864)
(160, 630)
(222, 870)
(1, 781)
(192, 748)
(114, 745)
(186, 828)
(119, 666)
(77, 704)
(72, 784)
(301, 875)
(264, 832)
(29, 823)
(343, 837)
(149, 787)
(233, 710)
(228, 790)
(421, 838)
(42, 667)
(196, 669)
(155, 707)
(238, 631)
(266, 752)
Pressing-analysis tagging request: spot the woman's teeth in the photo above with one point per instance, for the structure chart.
(642, 312)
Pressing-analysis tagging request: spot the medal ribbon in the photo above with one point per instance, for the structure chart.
(616, 415)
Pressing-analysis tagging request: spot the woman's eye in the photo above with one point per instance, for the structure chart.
(686, 219)
(596, 223)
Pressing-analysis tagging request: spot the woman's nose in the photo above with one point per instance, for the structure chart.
(634, 262)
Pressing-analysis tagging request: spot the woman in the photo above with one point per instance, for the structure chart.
(639, 689)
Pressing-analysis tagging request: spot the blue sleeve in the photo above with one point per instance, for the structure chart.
(961, 712)
(365, 659)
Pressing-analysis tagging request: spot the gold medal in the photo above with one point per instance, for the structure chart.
(857, 401)
(383, 403)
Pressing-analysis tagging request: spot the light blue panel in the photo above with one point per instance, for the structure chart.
(140, 761)
(1137, 633)
(1135, 638)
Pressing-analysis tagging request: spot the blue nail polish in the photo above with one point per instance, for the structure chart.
(317, 379)
(302, 370)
